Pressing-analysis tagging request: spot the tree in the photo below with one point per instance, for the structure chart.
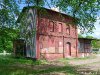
(96, 43)
(80, 36)
(7, 35)
(89, 37)
(24, 23)
(8, 13)
(84, 10)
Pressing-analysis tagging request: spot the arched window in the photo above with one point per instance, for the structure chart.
(60, 27)
(68, 30)
(51, 26)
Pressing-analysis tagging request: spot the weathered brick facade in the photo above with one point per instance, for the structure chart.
(56, 35)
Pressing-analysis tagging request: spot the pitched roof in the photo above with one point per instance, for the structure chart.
(26, 8)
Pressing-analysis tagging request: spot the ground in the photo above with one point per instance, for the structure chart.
(87, 66)
(73, 66)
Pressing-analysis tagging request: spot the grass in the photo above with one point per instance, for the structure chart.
(78, 58)
(21, 66)
(14, 66)
(8, 60)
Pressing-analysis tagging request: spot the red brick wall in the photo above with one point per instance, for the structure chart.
(53, 32)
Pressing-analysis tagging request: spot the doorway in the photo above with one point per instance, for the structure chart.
(68, 49)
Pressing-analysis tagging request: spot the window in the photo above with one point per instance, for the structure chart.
(51, 41)
(60, 27)
(56, 46)
(51, 26)
(41, 21)
(41, 45)
(42, 27)
(68, 30)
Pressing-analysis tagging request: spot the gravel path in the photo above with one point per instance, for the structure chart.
(88, 66)
(86, 61)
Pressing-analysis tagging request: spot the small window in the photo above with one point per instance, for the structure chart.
(68, 30)
(51, 41)
(51, 26)
(60, 27)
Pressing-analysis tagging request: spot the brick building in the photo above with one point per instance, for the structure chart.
(55, 36)
(84, 47)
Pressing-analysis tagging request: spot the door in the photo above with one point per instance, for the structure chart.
(68, 50)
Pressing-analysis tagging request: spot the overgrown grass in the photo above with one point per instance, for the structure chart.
(14, 66)
(9, 60)
(22, 66)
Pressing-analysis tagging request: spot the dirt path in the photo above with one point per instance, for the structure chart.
(86, 61)
(88, 66)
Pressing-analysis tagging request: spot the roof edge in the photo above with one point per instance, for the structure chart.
(25, 8)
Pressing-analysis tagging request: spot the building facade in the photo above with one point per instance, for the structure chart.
(51, 34)
(84, 47)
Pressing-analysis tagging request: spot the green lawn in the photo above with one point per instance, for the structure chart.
(12, 66)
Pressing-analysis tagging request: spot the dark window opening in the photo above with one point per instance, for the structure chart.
(60, 27)
(69, 48)
(51, 26)
(68, 30)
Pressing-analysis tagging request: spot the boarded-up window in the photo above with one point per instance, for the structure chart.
(51, 26)
(51, 44)
(51, 41)
(60, 27)
(56, 46)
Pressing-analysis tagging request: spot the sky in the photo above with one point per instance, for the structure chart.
(96, 31)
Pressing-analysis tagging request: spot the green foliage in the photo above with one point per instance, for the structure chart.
(80, 36)
(9, 59)
(89, 37)
(96, 43)
(84, 10)
(8, 13)
(7, 35)
(22, 66)
(34, 2)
